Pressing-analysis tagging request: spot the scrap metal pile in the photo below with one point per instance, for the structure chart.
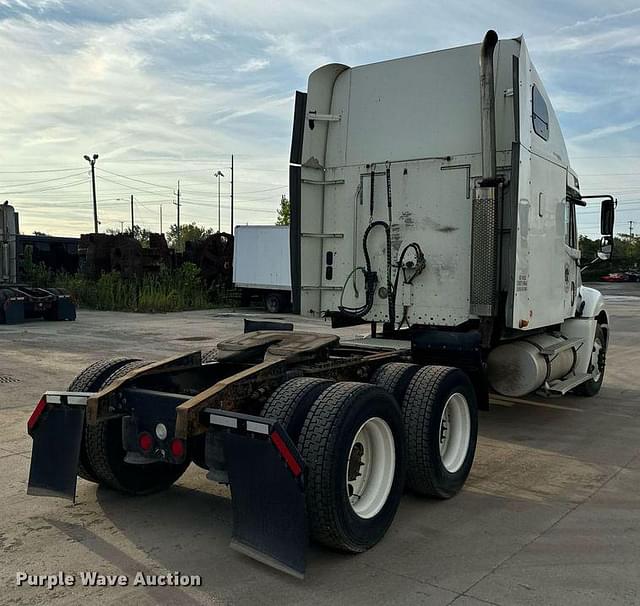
(122, 253)
(214, 256)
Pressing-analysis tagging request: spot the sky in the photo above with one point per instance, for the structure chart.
(165, 90)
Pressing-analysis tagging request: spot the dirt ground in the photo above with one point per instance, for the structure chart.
(549, 515)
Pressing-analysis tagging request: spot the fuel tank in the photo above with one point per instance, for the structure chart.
(521, 367)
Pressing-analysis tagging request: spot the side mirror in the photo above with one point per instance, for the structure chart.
(606, 248)
(607, 215)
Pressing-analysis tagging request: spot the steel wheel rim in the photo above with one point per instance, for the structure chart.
(454, 432)
(370, 467)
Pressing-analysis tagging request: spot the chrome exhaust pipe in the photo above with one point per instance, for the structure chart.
(484, 217)
(488, 110)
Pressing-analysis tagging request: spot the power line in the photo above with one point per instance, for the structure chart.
(44, 170)
(27, 183)
(127, 186)
(35, 191)
(137, 180)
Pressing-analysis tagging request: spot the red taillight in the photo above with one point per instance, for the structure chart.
(287, 455)
(177, 448)
(145, 441)
(36, 414)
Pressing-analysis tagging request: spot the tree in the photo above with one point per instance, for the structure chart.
(588, 248)
(284, 212)
(39, 233)
(189, 232)
(626, 251)
(139, 233)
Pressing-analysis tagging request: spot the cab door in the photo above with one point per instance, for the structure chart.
(572, 250)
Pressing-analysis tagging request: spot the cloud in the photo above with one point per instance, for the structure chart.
(168, 89)
(600, 19)
(606, 131)
(253, 65)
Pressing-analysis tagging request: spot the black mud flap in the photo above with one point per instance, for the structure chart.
(56, 429)
(266, 475)
(64, 309)
(13, 312)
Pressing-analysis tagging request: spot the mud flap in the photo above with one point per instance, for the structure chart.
(63, 309)
(57, 435)
(13, 310)
(265, 473)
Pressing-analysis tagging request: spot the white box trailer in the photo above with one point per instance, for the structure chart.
(261, 264)
(430, 194)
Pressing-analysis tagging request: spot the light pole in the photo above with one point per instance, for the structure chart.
(132, 218)
(92, 161)
(218, 174)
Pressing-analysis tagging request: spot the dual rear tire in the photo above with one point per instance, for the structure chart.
(101, 452)
(352, 440)
(360, 445)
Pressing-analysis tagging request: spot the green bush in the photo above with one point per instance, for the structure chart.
(170, 290)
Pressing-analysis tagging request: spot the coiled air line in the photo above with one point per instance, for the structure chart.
(371, 277)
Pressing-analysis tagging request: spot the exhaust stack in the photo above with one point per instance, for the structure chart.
(488, 104)
(484, 222)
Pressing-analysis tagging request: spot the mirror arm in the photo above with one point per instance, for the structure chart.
(583, 267)
(601, 197)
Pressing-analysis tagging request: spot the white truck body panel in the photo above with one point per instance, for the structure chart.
(261, 257)
(8, 250)
(421, 114)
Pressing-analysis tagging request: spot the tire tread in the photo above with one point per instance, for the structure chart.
(395, 377)
(316, 441)
(96, 435)
(92, 378)
(285, 400)
(418, 414)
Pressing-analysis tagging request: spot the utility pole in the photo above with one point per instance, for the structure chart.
(132, 222)
(218, 174)
(231, 194)
(161, 218)
(631, 228)
(92, 161)
(178, 217)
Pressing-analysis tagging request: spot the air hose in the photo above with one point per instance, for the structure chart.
(371, 277)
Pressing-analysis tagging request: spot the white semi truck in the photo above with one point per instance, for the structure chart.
(433, 200)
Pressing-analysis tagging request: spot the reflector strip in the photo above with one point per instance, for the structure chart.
(258, 427)
(71, 398)
(283, 449)
(224, 421)
(35, 415)
(76, 400)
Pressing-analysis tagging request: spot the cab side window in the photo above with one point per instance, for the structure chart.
(540, 114)
(570, 226)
